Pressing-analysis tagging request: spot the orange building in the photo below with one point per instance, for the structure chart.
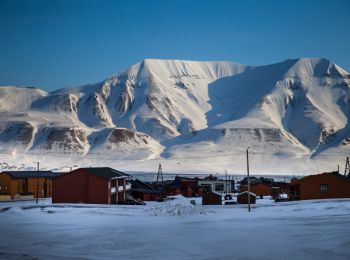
(27, 183)
(321, 186)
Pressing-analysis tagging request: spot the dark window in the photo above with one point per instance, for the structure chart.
(219, 186)
(324, 187)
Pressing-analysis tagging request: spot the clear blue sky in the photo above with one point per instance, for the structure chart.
(54, 44)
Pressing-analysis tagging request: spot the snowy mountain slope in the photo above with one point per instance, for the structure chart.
(18, 98)
(308, 98)
(124, 144)
(178, 109)
(158, 96)
(294, 107)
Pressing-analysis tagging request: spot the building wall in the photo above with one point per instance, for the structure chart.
(32, 183)
(5, 184)
(258, 189)
(337, 187)
(80, 187)
(70, 188)
(243, 199)
(211, 198)
(15, 186)
(99, 192)
(144, 196)
(226, 185)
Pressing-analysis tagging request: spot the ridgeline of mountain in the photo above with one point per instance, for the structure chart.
(173, 108)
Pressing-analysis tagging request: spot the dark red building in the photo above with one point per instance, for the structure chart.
(101, 185)
(144, 191)
(242, 198)
(211, 198)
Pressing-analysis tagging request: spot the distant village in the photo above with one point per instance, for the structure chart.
(104, 185)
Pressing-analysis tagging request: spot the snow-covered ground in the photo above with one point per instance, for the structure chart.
(176, 230)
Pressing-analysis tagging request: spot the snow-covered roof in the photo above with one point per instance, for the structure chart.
(246, 192)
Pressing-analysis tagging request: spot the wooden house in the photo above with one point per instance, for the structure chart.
(102, 185)
(144, 191)
(321, 186)
(26, 184)
(188, 187)
(260, 189)
(242, 198)
(211, 198)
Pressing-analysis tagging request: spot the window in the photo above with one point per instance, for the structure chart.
(324, 187)
(219, 187)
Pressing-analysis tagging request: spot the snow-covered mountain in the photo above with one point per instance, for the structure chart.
(186, 109)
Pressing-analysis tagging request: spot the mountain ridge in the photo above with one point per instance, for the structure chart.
(173, 108)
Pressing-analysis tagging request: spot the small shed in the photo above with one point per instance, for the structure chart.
(211, 198)
(242, 198)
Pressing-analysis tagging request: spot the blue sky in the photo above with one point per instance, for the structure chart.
(55, 44)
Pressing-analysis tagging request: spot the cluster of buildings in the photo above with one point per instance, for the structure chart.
(104, 185)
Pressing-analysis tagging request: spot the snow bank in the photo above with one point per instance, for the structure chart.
(178, 206)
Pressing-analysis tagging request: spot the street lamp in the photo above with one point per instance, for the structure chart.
(37, 182)
(248, 180)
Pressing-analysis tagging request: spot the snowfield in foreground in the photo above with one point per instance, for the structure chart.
(176, 230)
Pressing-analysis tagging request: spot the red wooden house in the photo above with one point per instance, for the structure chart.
(328, 185)
(101, 185)
(145, 191)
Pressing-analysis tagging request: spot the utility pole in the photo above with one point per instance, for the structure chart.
(248, 180)
(37, 184)
(226, 187)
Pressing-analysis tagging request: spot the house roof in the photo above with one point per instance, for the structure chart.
(246, 192)
(31, 174)
(212, 193)
(335, 174)
(140, 186)
(105, 172)
(137, 184)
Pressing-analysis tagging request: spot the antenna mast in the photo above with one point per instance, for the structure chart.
(347, 168)
(160, 174)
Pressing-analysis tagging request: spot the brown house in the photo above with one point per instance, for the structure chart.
(321, 186)
(211, 198)
(260, 189)
(19, 184)
(102, 185)
(242, 198)
(146, 192)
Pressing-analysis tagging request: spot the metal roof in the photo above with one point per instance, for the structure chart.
(31, 174)
(105, 172)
